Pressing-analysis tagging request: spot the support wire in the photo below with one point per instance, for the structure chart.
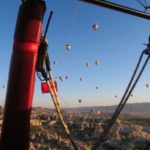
(124, 99)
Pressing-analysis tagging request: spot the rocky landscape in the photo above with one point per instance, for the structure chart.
(128, 133)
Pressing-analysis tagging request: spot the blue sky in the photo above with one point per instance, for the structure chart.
(117, 44)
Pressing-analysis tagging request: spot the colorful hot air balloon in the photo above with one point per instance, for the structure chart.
(60, 78)
(95, 26)
(80, 100)
(97, 62)
(68, 47)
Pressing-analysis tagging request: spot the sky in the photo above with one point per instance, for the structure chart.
(117, 44)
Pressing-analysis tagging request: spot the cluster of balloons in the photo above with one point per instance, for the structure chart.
(95, 26)
(87, 64)
(66, 77)
(96, 63)
(61, 78)
(130, 95)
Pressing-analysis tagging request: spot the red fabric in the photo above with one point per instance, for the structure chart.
(45, 89)
(25, 46)
(15, 134)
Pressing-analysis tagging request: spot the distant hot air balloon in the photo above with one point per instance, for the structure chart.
(98, 112)
(80, 79)
(54, 62)
(116, 96)
(147, 85)
(97, 87)
(97, 62)
(68, 47)
(60, 78)
(88, 64)
(80, 100)
(66, 77)
(95, 26)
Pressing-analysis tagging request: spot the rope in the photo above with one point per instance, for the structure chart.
(124, 99)
(57, 107)
(73, 21)
(71, 27)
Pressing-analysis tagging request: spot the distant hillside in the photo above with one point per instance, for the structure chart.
(132, 107)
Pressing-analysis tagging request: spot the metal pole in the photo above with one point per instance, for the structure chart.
(120, 8)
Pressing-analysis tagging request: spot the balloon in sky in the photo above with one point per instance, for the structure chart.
(60, 78)
(68, 47)
(95, 26)
(80, 79)
(147, 85)
(80, 100)
(116, 96)
(66, 77)
(54, 62)
(97, 87)
(97, 62)
(88, 64)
